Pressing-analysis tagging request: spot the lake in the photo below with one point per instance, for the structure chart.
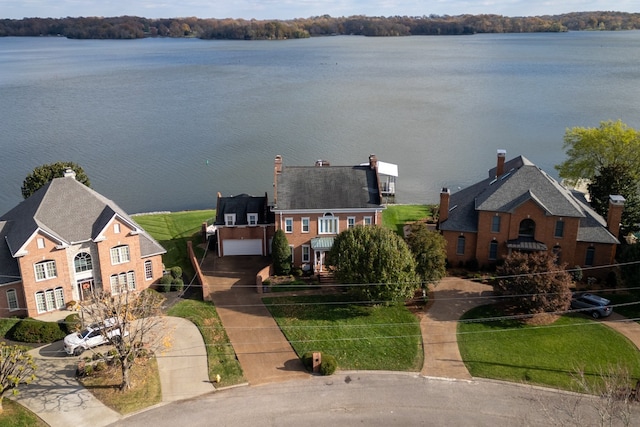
(166, 124)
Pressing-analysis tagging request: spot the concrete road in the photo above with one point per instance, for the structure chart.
(376, 399)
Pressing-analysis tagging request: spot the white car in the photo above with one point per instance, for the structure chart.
(92, 336)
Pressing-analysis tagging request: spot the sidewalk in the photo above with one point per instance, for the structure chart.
(59, 399)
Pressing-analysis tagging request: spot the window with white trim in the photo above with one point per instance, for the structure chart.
(12, 299)
(252, 219)
(82, 262)
(40, 242)
(116, 228)
(59, 297)
(367, 220)
(120, 254)
(41, 306)
(351, 221)
(123, 282)
(328, 224)
(148, 270)
(306, 253)
(45, 270)
(305, 225)
(229, 219)
(288, 225)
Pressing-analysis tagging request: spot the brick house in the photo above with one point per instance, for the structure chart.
(520, 207)
(65, 241)
(312, 204)
(244, 225)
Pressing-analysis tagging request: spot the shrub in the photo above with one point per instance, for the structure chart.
(72, 323)
(35, 331)
(612, 279)
(281, 254)
(6, 325)
(101, 366)
(165, 283)
(177, 284)
(176, 272)
(328, 365)
(576, 273)
(297, 271)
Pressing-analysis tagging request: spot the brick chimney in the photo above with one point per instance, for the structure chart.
(373, 162)
(502, 154)
(443, 213)
(614, 214)
(277, 170)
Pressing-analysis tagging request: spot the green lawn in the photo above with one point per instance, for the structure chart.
(16, 415)
(173, 230)
(221, 357)
(359, 336)
(545, 355)
(395, 216)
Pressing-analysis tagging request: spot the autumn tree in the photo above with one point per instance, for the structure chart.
(535, 283)
(135, 316)
(45, 173)
(589, 150)
(376, 262)
(616, 179)
(16, 367)
(281, 253)
(428, 248)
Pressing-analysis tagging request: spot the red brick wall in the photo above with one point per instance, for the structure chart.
(297, 238)
(246, 232)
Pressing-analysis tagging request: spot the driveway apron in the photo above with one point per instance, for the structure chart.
(262, 350)
(452, 297)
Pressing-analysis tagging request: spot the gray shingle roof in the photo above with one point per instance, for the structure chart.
(521, 182)
(70, 212)
(326, 188)
(241, 205)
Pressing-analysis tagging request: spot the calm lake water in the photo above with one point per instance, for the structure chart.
(165, 124)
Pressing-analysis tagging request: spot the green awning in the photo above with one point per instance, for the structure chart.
(322, 243)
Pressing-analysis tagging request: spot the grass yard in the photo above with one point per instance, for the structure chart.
(173, 230)
(545, 355)
(145, 386)
(221, 357)
(395, 216)
(359, 336)
(16, 415)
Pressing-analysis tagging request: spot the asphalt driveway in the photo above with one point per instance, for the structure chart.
(262, 350)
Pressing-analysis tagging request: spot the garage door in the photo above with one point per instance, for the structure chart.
(242, 247)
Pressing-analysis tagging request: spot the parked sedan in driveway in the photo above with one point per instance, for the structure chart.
(92, 336)
(595, 305)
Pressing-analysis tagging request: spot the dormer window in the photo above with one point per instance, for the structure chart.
(229, 219)
(252, 219)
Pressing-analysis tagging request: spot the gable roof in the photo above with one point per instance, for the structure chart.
(69, 212)
(327, 188)
(241, 205)
(523, 181)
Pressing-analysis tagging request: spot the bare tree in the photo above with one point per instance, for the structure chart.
(133, 324)
(16, 367)
(614, 387)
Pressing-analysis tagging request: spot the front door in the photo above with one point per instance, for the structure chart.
(85, 289)
(319, 264)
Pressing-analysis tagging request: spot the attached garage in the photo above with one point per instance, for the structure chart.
(232, 247)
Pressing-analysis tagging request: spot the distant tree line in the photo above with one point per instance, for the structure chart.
(132, 27)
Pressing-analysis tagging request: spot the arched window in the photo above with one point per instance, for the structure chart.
(82, 262)
(591, 254)
(460, 245)
(493, 250)
(328, 224)
(527, 228)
